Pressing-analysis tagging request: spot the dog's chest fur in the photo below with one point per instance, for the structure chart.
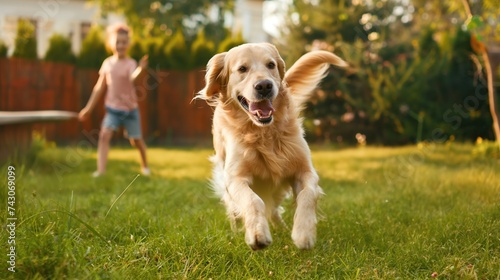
(272, 153)
(275, 152)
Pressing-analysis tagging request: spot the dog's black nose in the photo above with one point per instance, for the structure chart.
(264, 88)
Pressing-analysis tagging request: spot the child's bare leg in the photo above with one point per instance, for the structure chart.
(105, 136)
(141, 146)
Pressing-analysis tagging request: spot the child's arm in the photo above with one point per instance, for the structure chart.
(140, 70)
(97, 93)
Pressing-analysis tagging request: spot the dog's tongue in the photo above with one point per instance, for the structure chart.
(263, 109)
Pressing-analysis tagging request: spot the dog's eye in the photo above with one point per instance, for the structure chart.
(242, 69)
(271, 65)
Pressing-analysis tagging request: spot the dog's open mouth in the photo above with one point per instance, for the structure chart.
(262, 110)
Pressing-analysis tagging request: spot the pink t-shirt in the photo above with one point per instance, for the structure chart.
(121, 90)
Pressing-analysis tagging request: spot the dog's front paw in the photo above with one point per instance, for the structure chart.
(303, 241)
(258, 237)
(304, 236)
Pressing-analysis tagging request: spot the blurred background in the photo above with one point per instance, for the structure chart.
(419, 69)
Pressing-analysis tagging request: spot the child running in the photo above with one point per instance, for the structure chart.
(117, 78)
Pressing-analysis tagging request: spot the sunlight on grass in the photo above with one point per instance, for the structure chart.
(176, 164)
(388, 213)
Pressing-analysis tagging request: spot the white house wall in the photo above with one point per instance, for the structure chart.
(66, 17)
(63, 17)
(248, 20)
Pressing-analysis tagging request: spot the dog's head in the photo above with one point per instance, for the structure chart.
(250, 76)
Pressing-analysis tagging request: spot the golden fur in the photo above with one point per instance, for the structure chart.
(260, 152)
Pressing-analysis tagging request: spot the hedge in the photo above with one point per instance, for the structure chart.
(60, 50)
(25, 43)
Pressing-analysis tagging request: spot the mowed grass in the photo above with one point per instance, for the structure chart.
(388, 213)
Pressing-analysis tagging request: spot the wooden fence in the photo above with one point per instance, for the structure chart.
(169, 116)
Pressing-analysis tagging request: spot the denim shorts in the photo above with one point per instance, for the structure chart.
(130, 120)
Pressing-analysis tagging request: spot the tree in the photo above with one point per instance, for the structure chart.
(201, 50)
(475, 23)
(411, 70)
(152, 17)
(155, 48)
(93, 50)
(136, 50)
(60, 50)
(332, 21)
(25, 43)
(3, 50)
(177, 52)
(230, 42)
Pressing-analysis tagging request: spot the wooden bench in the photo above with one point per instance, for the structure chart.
(16, 128)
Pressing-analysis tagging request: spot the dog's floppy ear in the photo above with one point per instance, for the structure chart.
(214, 78)
(281, 67)
(279, 60)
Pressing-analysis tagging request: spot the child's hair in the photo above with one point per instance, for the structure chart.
(118, 28)
(115, 29)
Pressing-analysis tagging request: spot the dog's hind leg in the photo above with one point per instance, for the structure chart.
(276, 219)
(277, 210)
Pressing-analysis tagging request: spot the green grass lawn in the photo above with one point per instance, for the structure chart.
(388, 213)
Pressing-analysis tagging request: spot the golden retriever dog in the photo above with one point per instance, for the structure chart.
(260, 151)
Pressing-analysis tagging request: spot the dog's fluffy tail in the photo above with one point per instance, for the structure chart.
(304, 76)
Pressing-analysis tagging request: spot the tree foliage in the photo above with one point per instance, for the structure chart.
(93, 51)
(25, 42)
(60, 50)
(231, 42)
(155, 49)
(151, 17)
(136, 50)
(3, 50)
(169, 30)
(177, 52)
(331, 21)
(202, 50)
(412, 77)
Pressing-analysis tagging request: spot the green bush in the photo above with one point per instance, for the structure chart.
(202, 50)
(486, 149)
(426, 43)
(60, 50)
(231, 42)
(177, 52)
(402, 95)
(154, 47)
(136, 50)
(25, 42)
(93, 50)
(3, 50)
